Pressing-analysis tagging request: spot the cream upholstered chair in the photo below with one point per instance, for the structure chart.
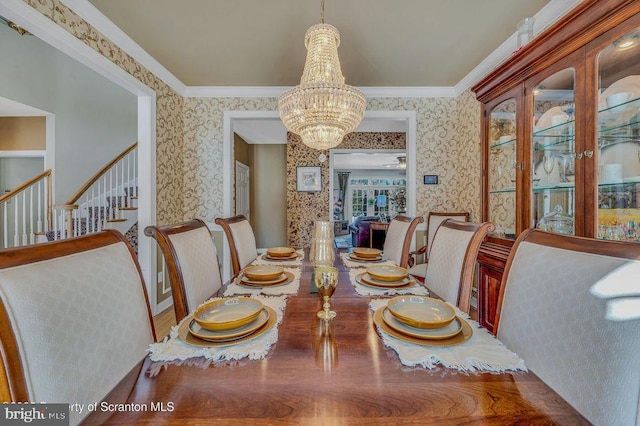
(562, 310)
(74, 319)
(452, 260)
(398, 239)
(192, 263)
(434, 220)
(242, 241)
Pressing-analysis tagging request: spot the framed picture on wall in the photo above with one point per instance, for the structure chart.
(309, 179)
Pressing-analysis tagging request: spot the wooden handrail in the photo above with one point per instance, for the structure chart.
(24, 185)
(99, 174)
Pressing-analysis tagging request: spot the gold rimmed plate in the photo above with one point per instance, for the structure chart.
(365, 279)
(285, 278)
(227, 314)
(294, 256)
(446, 332)
(464, 335)
(185, 335)
(355, 258)
(367, 253)
(281, 251)
(226, 335)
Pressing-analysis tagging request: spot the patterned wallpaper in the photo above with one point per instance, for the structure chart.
(169, 107)
(448, 144)
(303, 208)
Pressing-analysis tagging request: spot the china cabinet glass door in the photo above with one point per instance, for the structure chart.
(618, 139)
(553, 153)
(502, 168)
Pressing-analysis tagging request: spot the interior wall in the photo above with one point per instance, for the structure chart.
(306, 207)
(269, 202)
(23, 133)
(94, 119)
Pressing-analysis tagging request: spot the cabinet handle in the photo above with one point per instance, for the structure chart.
(588, 153)
(578, 155)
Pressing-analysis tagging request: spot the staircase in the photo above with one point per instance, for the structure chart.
(108, 200)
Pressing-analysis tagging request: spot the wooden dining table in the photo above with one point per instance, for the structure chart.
(330, 374)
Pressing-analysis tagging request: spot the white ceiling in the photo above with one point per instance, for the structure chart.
(399, 43)
(367, 161)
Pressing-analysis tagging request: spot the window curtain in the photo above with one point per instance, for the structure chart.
(338, 209)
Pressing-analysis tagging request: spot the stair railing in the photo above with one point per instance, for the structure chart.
(99, 200)
(26, 211)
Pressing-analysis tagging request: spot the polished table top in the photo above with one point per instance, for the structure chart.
(340, 375)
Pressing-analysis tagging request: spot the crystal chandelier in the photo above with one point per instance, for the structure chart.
(322, 109)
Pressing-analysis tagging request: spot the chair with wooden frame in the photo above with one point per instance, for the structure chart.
(453, 258)
(74, 319)
(570, 308)
(434, 220)
(192, 262)
(397, 243)
(242, 242)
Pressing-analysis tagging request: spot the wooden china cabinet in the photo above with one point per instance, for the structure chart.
(561, 137)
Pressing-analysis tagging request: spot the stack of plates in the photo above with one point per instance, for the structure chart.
(264, 275)
(385, 276)
(281, 253)
(422, 320)
(364, 254)
(227, 321)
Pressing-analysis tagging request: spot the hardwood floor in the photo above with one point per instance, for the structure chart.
(163, 322)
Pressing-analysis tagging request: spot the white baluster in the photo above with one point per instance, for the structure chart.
(111, 210)
(135, 170)
(129, 187)
(115, 190)
(39, 228)
(75, 226)
(123, 194)
(100, 198)
(5, 227)
(16, 235)
(25, 241)
(32, 235)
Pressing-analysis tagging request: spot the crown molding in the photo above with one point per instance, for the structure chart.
(276, 91)
(93, 16)
(549, 14)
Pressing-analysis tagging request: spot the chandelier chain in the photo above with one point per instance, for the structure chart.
(322, 12)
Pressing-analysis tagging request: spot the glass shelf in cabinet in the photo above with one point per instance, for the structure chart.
(554, 131)
(626, 129)
(565, 143)
(566, 186)
(632, 182)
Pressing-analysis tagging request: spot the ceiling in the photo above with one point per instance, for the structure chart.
(397, 43)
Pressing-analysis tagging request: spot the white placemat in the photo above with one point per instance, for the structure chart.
(482, 352)
(351, 264)
(365, 290)
(260, 260)
(291, 288)
(173, 351)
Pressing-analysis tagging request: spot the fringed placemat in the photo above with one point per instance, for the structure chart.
(174, 351)
(482, 352)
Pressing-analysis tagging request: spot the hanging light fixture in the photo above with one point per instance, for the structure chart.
(322, 109)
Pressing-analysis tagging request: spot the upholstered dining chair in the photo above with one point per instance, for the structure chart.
(398, 240)
(242, 242)
(452, 260)
(192, 262)
(434, 220)
(74, 319)
(570, 308)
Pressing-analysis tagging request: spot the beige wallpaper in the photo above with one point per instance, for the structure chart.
(169, 107)
(303, 208)
(448, 144)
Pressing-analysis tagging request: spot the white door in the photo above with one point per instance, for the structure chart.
(242, 189)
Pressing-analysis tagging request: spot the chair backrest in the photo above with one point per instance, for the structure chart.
(562, 310)
(453, 258)
(242, 242)
(435, 219)
(192, 263)
(74, 319)
(398, 240)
